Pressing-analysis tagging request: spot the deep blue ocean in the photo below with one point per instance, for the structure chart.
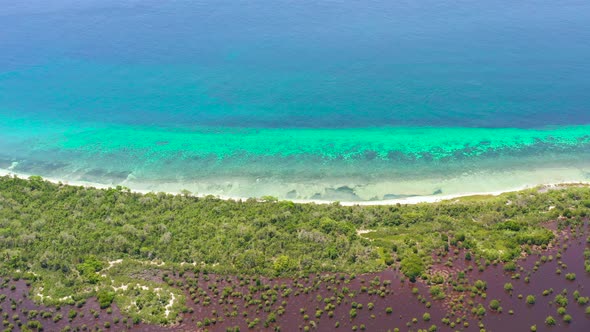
(340, 99)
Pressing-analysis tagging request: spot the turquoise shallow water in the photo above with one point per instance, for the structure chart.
(347, 100)
(343, 164)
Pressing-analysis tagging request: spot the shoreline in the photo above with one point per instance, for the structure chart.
(407, 200)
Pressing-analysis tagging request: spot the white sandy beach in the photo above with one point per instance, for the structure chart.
(466, 185)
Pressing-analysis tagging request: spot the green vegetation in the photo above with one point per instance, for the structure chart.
(481, 285)
(105, 298)
(530, 299)
(437, 292)
(561, 300)
(494, 305)
(73, 243)
(412, 266)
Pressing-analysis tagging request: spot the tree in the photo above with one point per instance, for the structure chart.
(105, 298)
(412, 266)
(284, 264)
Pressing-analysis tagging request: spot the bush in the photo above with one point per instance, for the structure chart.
(412, 266)
(530, 299)
(35, 324)
(550, 320)
(437, 292)
(105, 298)
(494, 305)
(481, 285)
(510, 266)
(561, 300)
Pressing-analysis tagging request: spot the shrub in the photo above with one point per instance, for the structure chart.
(480, 311)
(550, 320)
(412, 266)
(105, 298)
(481, 285)
(530, 299)
(35, 324)
(510, 266)
(561, 300)
(494, 305)
(437, 292)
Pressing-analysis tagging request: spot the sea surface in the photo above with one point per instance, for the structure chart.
(326, 100)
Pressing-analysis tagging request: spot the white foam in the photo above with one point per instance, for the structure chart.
(479, 183)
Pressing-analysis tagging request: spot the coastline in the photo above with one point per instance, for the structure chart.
(406, 200)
